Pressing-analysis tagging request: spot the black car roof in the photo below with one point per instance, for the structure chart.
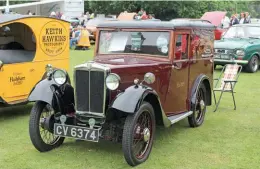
(12, 17)
(157, 24)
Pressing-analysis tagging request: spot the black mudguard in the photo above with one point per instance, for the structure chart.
(130, 100)
(201, 79)
(59, 97)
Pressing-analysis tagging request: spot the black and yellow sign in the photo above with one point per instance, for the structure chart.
(53, 38)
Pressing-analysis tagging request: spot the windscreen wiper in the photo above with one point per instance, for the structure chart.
(253, 38)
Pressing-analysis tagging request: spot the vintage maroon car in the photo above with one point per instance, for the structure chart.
(137, 80)
(215, 17)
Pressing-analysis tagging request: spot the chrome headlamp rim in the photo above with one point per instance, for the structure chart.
(117, 77)
(240, 52)
(65, 75)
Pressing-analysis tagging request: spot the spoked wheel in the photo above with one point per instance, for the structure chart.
(199, 108)
(138, 135)
(41, 127)
(253, 64)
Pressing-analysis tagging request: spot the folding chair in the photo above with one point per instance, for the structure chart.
(227, 81)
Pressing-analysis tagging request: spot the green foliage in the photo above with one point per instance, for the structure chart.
(167, 10)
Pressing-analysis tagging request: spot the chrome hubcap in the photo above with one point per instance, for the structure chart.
(255, 64)
(146, 134)
(202, 104)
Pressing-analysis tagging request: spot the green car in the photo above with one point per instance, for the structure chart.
(240, 44)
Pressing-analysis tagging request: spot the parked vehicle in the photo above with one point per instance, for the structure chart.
(91, 25)
(139, 78)
(255, 20)
(241, 45)
(215, 17)
(27, 45)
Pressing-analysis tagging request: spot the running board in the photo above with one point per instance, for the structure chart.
(178, 117)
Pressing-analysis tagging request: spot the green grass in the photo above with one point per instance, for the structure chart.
(228, 138)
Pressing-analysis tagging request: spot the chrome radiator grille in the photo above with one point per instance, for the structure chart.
(90, 91)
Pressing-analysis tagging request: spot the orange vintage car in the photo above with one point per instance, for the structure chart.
(91, 26)
(124, 16)
(27, 45)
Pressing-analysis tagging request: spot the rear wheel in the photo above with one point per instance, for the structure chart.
(199, 108)
(138, 135)
(253, 64)
(41, 127)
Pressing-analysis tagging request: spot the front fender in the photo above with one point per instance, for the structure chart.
(129, 100)
(42, 91)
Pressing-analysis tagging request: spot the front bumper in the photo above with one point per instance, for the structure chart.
(222, 61)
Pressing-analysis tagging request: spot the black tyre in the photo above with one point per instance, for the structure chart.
(199, 108)
(253, 64)
(41, 127)
(138, 135)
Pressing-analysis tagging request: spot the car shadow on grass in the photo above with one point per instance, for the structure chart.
(15, 111)
(113, 147)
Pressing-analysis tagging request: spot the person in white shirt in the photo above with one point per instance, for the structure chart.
(225, 22)
(63, 17)
(242, 18)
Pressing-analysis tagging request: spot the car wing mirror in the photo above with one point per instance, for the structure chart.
(1, 64)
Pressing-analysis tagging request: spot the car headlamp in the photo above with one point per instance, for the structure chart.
(60, 77)
(240, 52)
(112, 81)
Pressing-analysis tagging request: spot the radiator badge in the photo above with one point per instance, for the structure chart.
(89, 66)
(63, 119)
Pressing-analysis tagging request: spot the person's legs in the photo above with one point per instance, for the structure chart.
(74, 40)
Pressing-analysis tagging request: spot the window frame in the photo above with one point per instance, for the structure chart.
(153, 57)
(175, 37)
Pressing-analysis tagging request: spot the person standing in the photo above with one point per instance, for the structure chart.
(234, 20)
(242, 18)
(247, 18)
(87, 16)
(53, 14)
(144, 16)
(63, 17)
(225, 22)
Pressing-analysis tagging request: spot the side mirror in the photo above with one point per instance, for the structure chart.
(149, 78)
(1, 64)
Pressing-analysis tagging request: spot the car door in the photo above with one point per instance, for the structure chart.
(176, 99)
(17, 80)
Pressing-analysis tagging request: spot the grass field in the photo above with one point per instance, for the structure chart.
(228, 139)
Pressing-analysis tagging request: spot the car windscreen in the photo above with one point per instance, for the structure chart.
(134, 42)
(243, 32)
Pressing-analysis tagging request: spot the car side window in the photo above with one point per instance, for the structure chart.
(17, 43)
(181, 46)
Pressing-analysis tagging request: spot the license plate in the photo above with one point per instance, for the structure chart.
(81, 133)
(225, 56)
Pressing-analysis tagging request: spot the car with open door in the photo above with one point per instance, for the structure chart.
(27, 44)
(241, 45)
(143, 75)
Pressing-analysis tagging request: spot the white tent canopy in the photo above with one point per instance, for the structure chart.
(45, 7)
(30, 4)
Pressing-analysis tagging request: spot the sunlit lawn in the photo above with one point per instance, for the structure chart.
(227, 139)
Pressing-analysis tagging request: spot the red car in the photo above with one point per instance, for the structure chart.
(143, 74)
(215, 18)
